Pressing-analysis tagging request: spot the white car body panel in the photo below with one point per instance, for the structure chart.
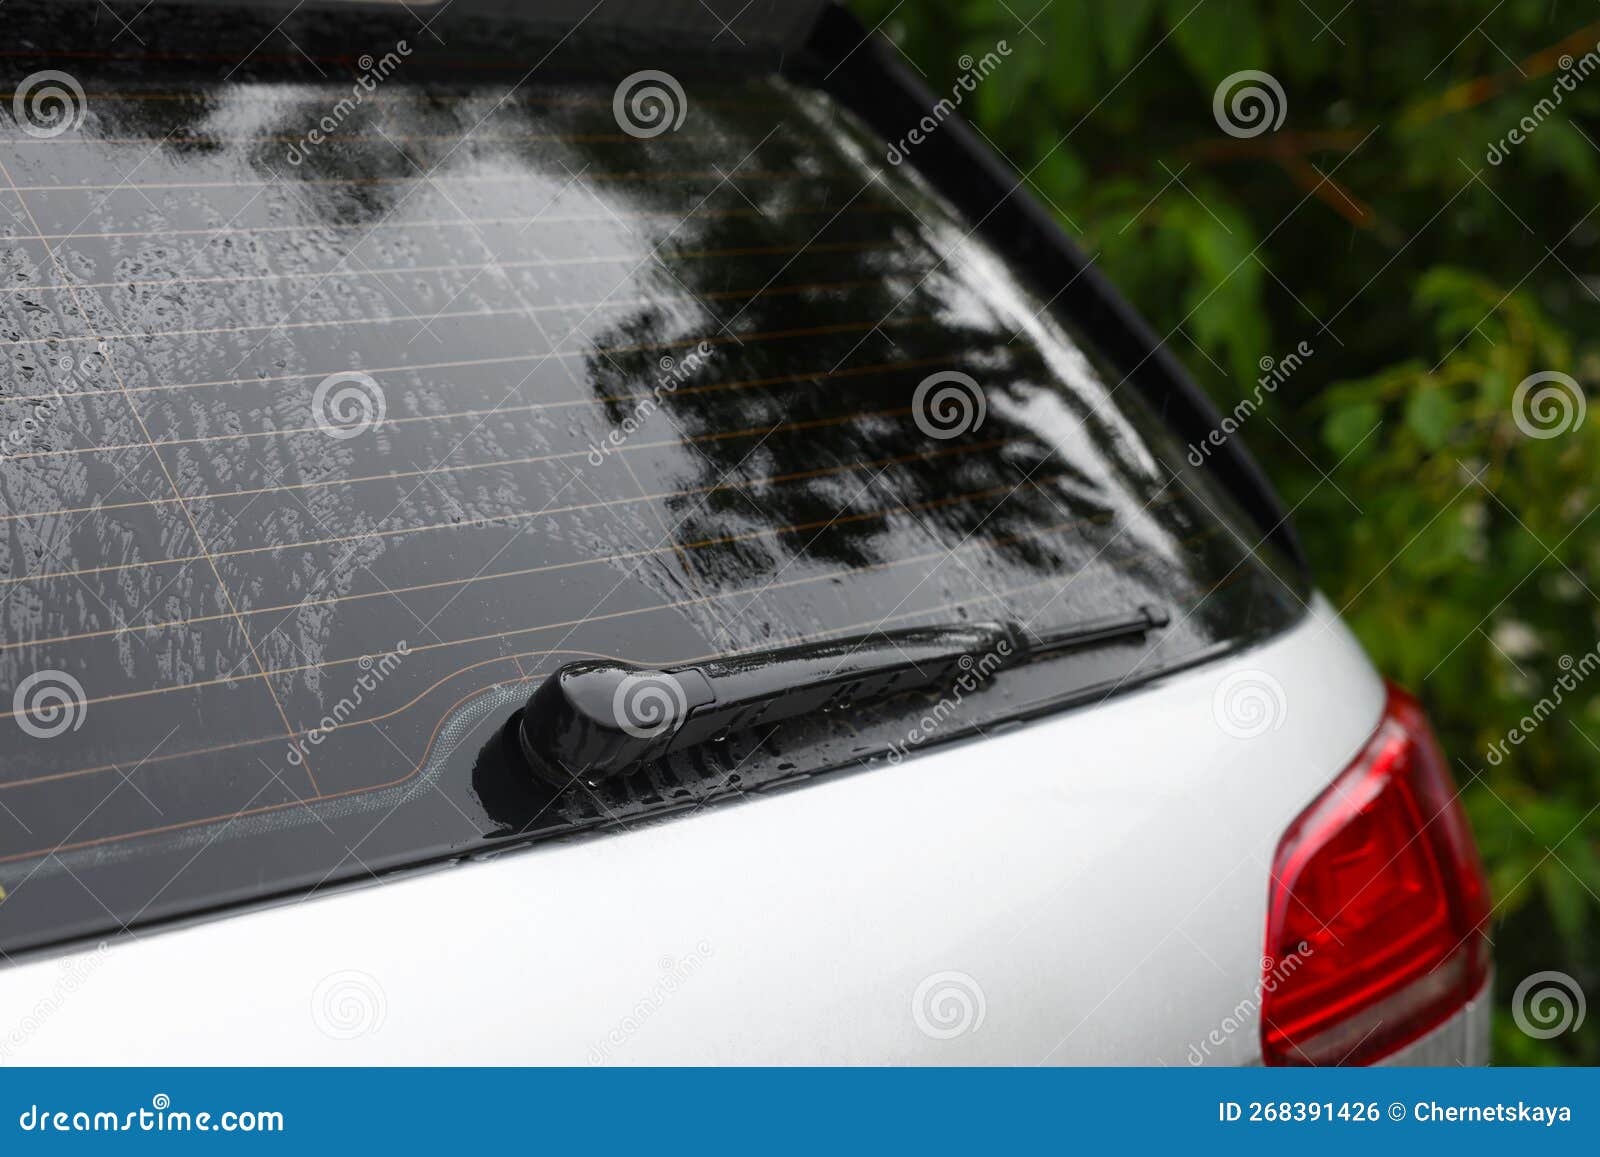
(1100, 877)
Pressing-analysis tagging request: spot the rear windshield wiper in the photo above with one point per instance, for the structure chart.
(596, 719)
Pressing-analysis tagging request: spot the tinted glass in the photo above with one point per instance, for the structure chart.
(340, 399)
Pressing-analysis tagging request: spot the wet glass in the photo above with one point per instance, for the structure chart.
(334, 412)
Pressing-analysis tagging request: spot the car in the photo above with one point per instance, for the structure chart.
(625, 534)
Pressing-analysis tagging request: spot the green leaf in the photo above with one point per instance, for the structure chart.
(1123, 25)
(1003, 91)
(1072, 72)
(1431, 415)
(1304, 45)
(1218, 38)
(1348, 425)
(1567, 901)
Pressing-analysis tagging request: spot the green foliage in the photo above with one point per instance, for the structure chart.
(1430, 282)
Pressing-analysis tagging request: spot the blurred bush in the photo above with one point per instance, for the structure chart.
(1432, 259)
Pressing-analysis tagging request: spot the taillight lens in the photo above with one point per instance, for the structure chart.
(1377, 907)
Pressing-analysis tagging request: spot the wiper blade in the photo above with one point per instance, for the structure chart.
(596, 719)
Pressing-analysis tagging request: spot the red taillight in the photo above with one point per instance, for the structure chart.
(1377, 906)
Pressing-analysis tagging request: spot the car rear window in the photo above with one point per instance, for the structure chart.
(342, 397)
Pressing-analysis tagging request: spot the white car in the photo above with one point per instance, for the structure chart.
(623, 535)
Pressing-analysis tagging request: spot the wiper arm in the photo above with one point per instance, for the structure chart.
(596, 719)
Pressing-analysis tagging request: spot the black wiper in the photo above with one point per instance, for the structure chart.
(596, 719)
